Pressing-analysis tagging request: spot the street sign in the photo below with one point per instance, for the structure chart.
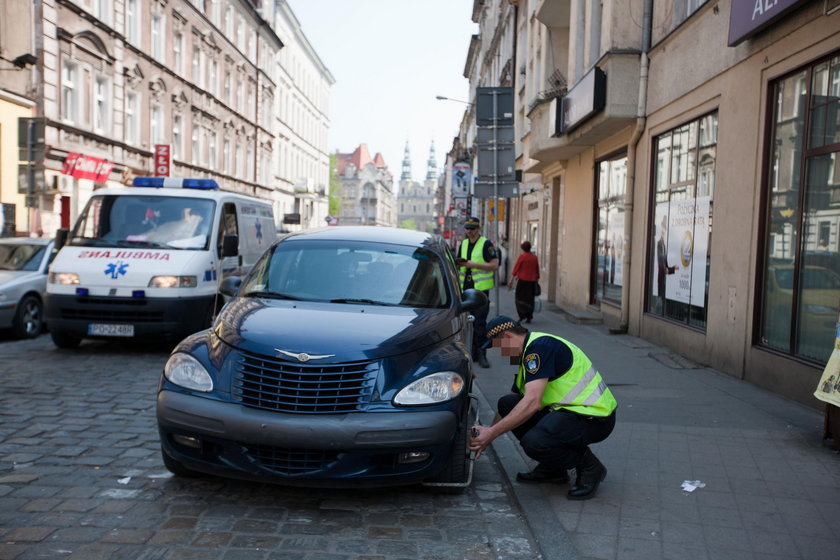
(497, 164)
(31, 131)
(31, 172)
(494, 106)
(163, 154)
(491, 210)
(504, 190)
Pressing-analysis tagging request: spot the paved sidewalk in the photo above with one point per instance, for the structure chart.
(771, 489)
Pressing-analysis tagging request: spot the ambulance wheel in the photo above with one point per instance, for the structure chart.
(64, 340)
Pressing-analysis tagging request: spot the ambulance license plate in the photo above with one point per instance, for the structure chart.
(100, 329)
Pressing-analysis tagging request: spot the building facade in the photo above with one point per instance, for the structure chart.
(301, 156)
(635, 142)
(201, 79)
(367, 189)
(418, 204)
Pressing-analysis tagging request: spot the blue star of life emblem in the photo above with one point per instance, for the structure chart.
(116, 269)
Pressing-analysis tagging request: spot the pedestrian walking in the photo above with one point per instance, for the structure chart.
(525, 278)
(558, 407)
(477, 262)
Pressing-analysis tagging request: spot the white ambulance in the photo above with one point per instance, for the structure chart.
(148, 260)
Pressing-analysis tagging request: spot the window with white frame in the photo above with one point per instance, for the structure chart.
(213, 78)
(200, 5)
(103, 10)
(249, 164)
(132, 116)
(240, 34)
(177, 136)
(212, 161)
(228, 91)
(226, 167)
(159, 37)
(229, 21)
(132, 21)
(196, 148)
(178, 53)
(157, 125)
(252, 46)
(240, 94)
(215, 11)
(70, 86)
(239, 169)
(101, 105)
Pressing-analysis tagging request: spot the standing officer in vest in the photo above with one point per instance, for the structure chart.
(477, 262)
(559, 406)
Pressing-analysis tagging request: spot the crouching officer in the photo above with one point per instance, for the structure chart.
(477, 261)
(559, 406)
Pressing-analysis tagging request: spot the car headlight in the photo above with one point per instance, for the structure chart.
(185, 371)
(435, 388)
(173, 282)
(64, 278)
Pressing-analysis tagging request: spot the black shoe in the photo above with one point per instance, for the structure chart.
(541, 473)
(482, 359)
(528, 320)
(590, 473)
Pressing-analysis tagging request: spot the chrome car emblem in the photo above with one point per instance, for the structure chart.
(303, 356)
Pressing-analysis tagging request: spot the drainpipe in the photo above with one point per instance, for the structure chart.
(641, 119)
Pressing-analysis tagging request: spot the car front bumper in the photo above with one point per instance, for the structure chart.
(369, 448)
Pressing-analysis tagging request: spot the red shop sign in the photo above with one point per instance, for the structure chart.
(162, 160)
(81, 166)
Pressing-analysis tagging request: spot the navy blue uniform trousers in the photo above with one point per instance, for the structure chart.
(557, 439)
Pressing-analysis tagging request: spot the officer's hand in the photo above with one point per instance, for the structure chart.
(481, 438)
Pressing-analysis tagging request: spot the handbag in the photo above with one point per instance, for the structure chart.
(537, 290)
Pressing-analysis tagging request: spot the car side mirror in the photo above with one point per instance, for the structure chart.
(230, 286)
(61, 238)
(472, 299)
(230, 245)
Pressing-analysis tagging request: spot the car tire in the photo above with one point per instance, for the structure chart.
(175, 467)
(29, 318)
(64, 340)
(457, 467)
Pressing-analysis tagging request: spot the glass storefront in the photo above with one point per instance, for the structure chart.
(608, 259)
(801, 288)
(681, 229)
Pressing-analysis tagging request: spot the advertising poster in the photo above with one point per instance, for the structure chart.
(461, 177)
(688, 236)
(661, 268)
(828, 389)
(615, 249)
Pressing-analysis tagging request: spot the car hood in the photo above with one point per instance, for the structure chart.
(340, 332)
(12, 277)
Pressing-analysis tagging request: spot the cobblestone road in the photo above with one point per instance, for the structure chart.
(81, 478)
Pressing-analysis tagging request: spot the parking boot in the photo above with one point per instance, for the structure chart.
(541, 473)
(482, 358)
(590, 473)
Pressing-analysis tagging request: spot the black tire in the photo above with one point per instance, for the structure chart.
(458, 465)
(64, 340)
(29, 318)
(175, 467)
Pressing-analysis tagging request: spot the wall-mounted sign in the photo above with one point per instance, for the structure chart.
(584, 100)
(81, 166)
(163, 155)
(291, 218)
(748, 17)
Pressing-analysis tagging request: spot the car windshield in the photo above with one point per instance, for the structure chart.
(350, 273)
(145, 221)
(20, 257)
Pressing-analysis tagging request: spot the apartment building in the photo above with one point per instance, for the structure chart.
(367, 189)
(644, 123)
(301, 109)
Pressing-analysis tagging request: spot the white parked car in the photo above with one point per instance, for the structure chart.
(23, 281)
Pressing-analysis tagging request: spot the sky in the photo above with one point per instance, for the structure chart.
(390, 58)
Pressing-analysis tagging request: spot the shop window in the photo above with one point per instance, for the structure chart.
(608, 273)
(801, 265)
(681, 230)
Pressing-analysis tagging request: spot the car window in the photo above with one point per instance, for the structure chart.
(21, 257)
(351, 273)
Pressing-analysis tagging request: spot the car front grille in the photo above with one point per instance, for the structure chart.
(272, 384)
(291, 461)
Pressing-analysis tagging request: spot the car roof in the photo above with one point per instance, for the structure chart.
(25, 240)
(373, 234)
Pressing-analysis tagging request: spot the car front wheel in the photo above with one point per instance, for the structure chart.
(175, 467)
(29, 318)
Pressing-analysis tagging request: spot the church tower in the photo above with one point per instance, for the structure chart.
(406, 165)
(431, 165)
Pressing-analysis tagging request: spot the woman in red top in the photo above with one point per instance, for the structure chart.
(526, 274)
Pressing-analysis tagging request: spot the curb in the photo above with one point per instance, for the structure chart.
(550, 537)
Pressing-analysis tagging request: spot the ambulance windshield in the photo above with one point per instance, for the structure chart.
(145, 221)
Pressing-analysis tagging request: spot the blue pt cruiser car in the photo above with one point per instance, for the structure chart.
(343, 360)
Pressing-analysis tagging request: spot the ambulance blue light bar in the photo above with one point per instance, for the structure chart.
(176, 183)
